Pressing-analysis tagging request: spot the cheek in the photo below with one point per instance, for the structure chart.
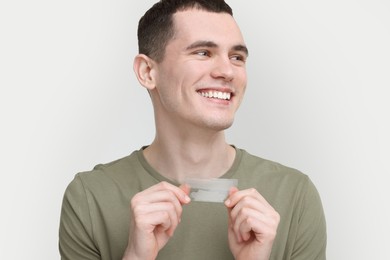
(169, 88)
(243, 75)
(241, 81)
(240, 84)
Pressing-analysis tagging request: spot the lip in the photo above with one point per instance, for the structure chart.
(219, 89)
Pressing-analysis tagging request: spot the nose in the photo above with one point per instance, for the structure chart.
(223, 69)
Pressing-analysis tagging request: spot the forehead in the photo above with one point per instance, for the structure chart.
(194, 25)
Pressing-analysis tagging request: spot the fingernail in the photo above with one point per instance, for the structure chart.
(187, 199)
(227, 202)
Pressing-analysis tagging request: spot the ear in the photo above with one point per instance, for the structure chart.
(144, 68)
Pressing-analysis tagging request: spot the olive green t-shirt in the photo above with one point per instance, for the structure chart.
(95, 212)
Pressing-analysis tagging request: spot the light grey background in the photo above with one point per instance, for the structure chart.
(317, 100)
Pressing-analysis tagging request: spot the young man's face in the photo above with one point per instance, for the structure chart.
(202, 78)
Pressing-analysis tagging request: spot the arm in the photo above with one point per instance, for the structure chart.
(311, 235)
(75, 234)
(156, 212)
(252, 225)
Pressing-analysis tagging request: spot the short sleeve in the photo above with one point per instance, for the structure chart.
(75, 233)
(311, 238)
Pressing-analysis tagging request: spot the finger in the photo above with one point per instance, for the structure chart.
(186, 188)
(181, 194)
(249, 203)
(261, 230)
(149, 209)
(233, 190)
(244, 229)
(170, 226)
(162, 192)
(157, 216)
(160, 201)
(231, 225)
(242, 224)
(148, 222)
(235, 197)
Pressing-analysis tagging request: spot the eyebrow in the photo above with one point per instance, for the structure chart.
(211, 44)
(242, 48)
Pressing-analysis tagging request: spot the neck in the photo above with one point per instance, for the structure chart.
(178, 155)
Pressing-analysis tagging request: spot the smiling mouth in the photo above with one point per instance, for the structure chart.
(215, 94)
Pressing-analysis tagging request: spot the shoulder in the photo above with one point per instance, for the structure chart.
(281, 185)
(291, 192)
(302, 229)
(270, 171)
(109, 177)
(115, 170)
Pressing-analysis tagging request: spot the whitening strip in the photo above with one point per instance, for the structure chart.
(210, 190)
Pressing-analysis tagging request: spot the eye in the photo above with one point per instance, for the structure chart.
(204, 53)
(238, 58)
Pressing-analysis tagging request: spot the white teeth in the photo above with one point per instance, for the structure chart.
(216, 94)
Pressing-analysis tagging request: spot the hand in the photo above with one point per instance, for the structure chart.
(156, 212)
(252, 224)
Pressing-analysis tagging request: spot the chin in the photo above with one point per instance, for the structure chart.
(220, 126)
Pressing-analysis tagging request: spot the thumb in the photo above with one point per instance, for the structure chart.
(232, 190)
(186, 188)
(228, 201)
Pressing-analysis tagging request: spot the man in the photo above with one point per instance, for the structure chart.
(192, 62)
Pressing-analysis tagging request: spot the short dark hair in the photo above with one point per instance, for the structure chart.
(156, 27)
